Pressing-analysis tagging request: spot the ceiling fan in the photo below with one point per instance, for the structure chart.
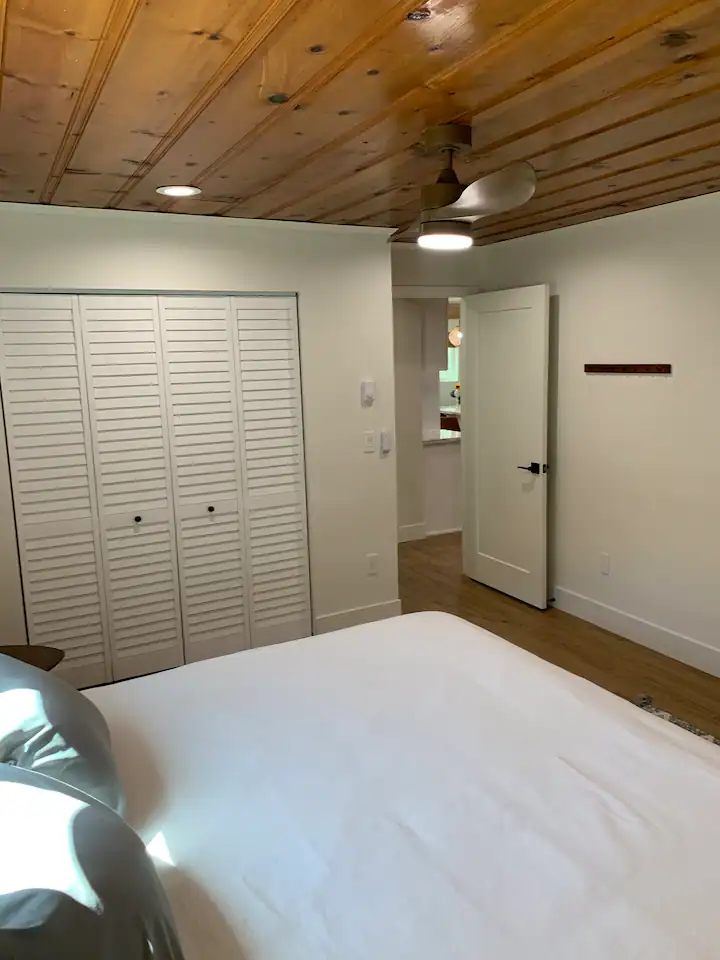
(449, 208)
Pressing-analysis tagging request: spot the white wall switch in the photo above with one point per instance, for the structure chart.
(369, 441)
(605, 564)
(367, 393)
(387, 442)
(372, 564)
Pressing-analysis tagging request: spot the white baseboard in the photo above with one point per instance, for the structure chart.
(675, 645)
(351, 618)
(439, 533)
(411, 531)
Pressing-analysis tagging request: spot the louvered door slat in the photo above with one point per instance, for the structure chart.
(143, 598)
(129, 421)
(274, 474)
(205, 448)
(47, 427)
(131, 441)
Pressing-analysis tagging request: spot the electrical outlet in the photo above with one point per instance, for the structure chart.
(372, 564)
(605, 564)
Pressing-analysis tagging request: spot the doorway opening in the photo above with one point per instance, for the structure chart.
(476, 368)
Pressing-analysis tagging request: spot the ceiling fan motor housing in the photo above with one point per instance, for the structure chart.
(448, 138)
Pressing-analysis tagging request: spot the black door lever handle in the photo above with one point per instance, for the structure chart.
(533, 468)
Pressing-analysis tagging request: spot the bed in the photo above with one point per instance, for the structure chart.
(417, 788)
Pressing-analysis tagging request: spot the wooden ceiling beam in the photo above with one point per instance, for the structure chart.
(116, 27)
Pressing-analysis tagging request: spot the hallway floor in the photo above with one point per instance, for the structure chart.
(431, 579)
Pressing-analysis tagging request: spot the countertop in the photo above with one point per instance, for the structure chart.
(441, 436)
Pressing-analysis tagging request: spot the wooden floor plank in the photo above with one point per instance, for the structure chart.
(431, 579)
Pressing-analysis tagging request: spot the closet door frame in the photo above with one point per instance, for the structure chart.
(288, 298)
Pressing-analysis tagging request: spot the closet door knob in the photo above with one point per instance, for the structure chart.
(138, 519)
(211, 509)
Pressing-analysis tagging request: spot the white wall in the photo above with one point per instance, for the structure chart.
(637, 465)
(342, 277)
(408, 420)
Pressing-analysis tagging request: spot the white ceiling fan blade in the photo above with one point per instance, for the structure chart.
(497, 192)
(408, 231)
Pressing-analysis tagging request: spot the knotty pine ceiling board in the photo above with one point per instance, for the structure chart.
(244, 116)
(503, 102)
(650, 109)
(387, 79)
(314, 109)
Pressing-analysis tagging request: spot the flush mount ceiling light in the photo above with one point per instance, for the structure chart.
(445, 235)
(176, 190)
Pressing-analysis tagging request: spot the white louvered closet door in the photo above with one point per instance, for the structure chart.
(43, 388)
(274, 473)
(203, 407)
(131, 445)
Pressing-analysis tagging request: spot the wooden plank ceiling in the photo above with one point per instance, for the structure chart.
(313, 109)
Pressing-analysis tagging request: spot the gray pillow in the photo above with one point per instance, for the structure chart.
(75, 880)
(48, 726)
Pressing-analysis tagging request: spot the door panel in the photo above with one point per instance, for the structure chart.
(127, 403)
(48, 436)
(205, 448)
(132, 454)
(215, 609)
(274, 470)
(143, 596)
(504, 419)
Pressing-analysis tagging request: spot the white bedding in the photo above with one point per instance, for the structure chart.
(418, 789)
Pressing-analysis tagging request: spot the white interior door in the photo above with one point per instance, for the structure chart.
(504, 381)
(51, 461)
(130, 438)
(271, 428)
(202, 389)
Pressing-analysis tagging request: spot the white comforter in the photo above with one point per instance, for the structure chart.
(418, 789)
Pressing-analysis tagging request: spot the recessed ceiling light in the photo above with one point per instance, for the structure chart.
(178, 190)
(446, 235)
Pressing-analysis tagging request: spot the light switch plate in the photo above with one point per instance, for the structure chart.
(387, 441)
(367, 393)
